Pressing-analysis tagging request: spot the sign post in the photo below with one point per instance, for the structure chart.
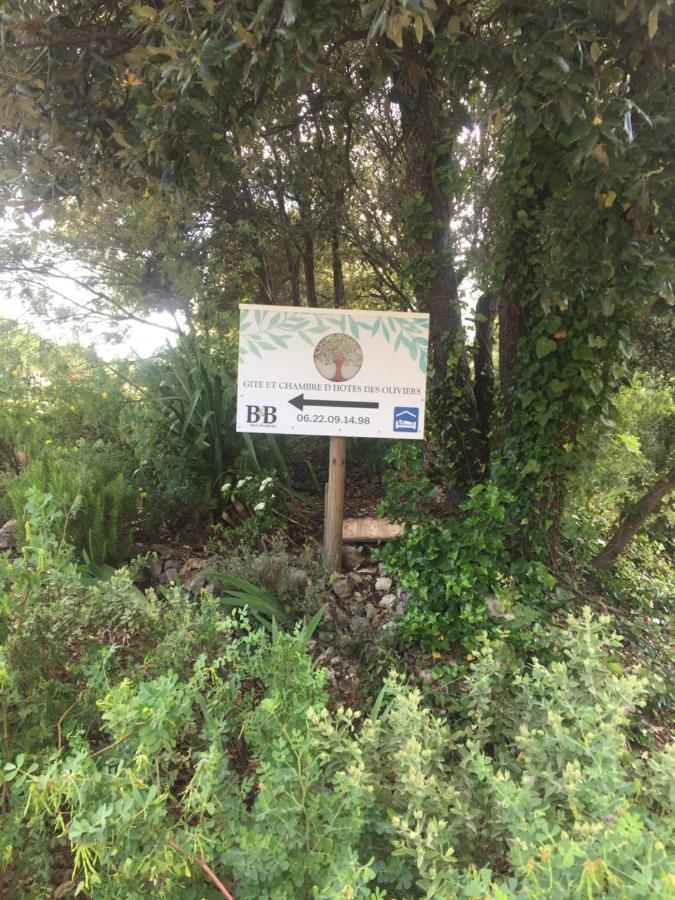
(340, 373)
(335, 504)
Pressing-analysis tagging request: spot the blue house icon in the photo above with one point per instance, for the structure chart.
(406, 418)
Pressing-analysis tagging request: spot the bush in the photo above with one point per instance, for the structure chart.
(179, 735)
(183, 430)
(95, 503)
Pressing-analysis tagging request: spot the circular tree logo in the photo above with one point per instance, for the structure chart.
(338, 357)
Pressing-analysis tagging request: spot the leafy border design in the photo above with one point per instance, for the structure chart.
(262, 329)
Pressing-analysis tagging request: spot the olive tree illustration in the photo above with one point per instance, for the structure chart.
(339, 351)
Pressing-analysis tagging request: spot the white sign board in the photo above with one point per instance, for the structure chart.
(355, 373)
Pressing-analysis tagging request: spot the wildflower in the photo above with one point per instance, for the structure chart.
(259, 507)
(597, 120)
(142, 493)
(226, 487)
(72, 407)
(608, 819)
(529, 779)
(264, 483)
(14, 373)
(628, 709)
(49, 441)
(104, 394)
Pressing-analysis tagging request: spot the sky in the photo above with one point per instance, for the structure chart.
(141, 340)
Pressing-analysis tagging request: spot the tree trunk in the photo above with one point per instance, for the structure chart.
(429, 127)
(511, 328)
(484, 375)
(338, 278)
(631, 524)
(308, 265)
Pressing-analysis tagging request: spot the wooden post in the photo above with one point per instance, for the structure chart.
(335, 504)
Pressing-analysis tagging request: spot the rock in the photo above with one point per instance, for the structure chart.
(358, 624)
(367, 570)
(155, 566)
(496, 610)
(352, 557)
(298, 579)
(9, 527)
(196, 583)
(389, 601)
(171, 564)
(162, 549)
(383, 584)
(171, 576)
(386, 634)
(371, 612)
(382, 569)
(343, 588)
(6, 541)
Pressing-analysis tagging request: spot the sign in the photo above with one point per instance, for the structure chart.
(350, 373)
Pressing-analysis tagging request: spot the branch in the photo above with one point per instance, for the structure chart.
(631, 524)
(210, 874)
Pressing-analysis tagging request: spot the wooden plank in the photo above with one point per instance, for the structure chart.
(370, 530)
(335, 504)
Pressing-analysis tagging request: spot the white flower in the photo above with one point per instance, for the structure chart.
(259, 507)
(226, 487)
(264, 483)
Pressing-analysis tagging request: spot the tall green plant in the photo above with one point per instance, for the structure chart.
(96, 504)
(199, 402)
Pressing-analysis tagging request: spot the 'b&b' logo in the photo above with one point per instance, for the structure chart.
(256, 415)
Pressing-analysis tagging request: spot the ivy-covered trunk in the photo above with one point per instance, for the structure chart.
(430, 123)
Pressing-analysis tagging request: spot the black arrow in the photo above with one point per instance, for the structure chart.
(299, 402)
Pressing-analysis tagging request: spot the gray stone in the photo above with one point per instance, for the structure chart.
(171, 564)
(298, 579)
(371, 612)
(196, 583)
(352, 557)
(343, 588)
(171, 575)
(358, 624)
(383, 583)
(6, 541)
(386, 634)
(389, 601)
(9, 527)
(496, 610)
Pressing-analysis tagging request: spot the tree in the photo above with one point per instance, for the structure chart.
(286, 125)
(338, 357)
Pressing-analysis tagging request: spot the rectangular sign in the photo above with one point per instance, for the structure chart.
(356, 373)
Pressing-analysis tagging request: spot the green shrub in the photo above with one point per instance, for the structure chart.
(96, 504)
(208, 741)
(182, 431)
(456, 568)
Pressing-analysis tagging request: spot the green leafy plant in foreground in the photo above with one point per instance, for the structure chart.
(176, 737)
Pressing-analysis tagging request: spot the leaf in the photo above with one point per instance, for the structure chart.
(544, 347)
(454, 25)
(244, 36)
(653, 21)
(144, 12)
(600, 154)
(419, 28)
(610, 197)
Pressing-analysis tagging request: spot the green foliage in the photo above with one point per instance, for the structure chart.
(183, 432)
(209, 740)
(95, 504)
(249, 501)
(460, 573)
(51, 395)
